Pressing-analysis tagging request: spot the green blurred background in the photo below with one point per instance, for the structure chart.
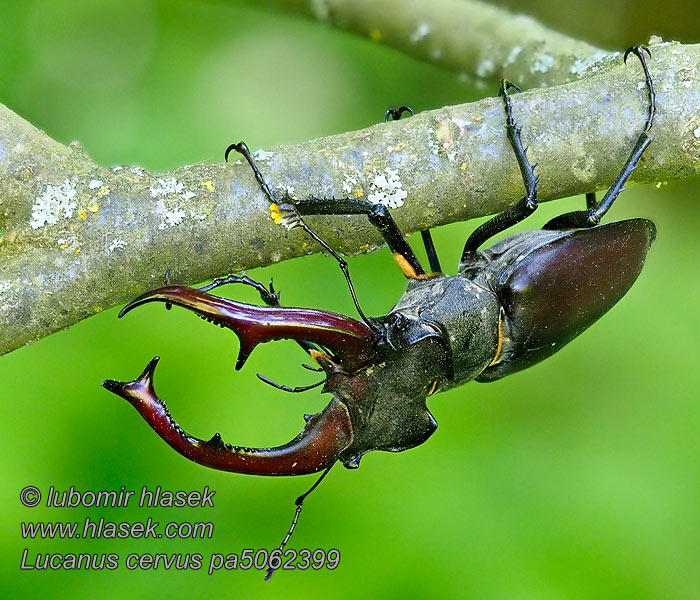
(578, 478)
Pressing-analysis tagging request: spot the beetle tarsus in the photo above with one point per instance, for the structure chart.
(268, 296)
(395, 113)
(527, 204)
(594, 213)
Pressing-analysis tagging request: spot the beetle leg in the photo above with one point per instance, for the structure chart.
(590, 200)
(351, 342)
(291, 211)
(592, 216)
(527, 204)
(317, 447)
(433, 260)
(268, 296)
(287, 215)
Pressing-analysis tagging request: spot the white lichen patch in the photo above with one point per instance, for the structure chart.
(166, 187)
(171, 186)
(512, 55)
(169, 216)
(420, 32)
(388, 189)
(542, 64)
(696, 132)
(94, 184)
(55, 202)
(349, 183)
(116, 244)
(198, 216)
(485, 67)
(261, 155)
(583, 64)
(117, 168)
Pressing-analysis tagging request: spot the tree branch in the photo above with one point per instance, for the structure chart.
(464, 36)
(78, 238)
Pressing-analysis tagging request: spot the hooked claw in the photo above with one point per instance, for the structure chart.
(637, 51)
(323, 439)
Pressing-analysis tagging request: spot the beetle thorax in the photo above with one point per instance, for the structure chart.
(464, 314)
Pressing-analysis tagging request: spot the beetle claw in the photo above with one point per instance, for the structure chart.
(325, 436)
(351, 342)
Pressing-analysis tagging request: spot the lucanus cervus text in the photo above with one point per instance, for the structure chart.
(508, 307)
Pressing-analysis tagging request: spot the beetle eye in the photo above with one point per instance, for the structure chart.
(400, 321)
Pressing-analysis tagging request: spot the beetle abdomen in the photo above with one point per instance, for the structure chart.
(561, 287)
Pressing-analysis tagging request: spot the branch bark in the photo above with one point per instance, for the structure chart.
(78, 238)
(465, 36)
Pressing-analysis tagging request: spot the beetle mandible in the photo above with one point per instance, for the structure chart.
(508, 307)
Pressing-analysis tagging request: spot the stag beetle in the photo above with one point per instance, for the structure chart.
(508, 307)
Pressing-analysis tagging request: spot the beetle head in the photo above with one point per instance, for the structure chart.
(379, 383)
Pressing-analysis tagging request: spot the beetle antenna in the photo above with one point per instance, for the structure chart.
(286, 388)
(299, 504)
